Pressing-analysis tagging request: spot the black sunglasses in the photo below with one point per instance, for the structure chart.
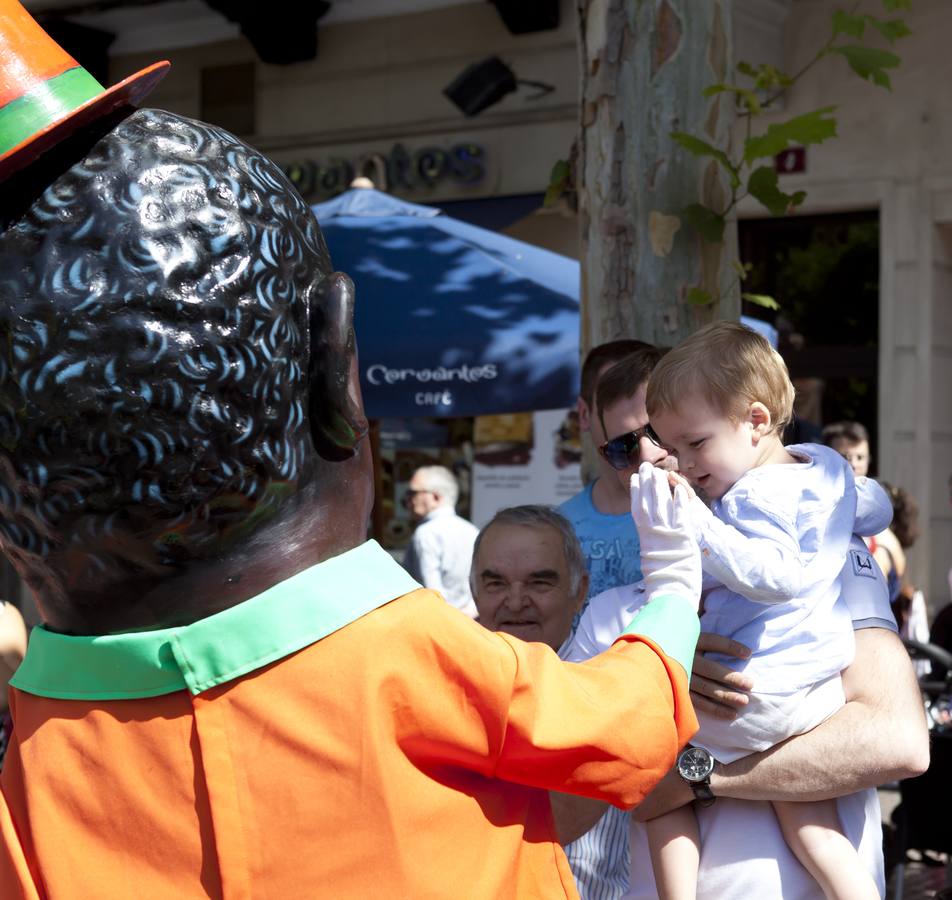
(412, 492)
(623, 452)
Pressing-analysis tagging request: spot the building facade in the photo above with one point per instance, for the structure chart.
(372, 103)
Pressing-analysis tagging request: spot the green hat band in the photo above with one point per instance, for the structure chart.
(44, 104)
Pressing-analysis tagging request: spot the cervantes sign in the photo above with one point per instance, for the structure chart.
(393, 170)
(435, 393)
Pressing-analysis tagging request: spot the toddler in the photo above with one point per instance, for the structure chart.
(772, 546)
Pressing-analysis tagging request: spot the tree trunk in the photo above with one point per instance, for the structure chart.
(644, 65)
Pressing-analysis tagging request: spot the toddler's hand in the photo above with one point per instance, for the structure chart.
(670, 560)
(676, 478)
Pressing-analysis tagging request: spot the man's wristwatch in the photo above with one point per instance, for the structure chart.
(695, 765)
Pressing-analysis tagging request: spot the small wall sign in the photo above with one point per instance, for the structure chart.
(791, 161)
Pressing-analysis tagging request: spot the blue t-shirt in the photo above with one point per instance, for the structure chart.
(609, 543)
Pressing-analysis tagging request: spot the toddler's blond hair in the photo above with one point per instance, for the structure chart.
(731, 366)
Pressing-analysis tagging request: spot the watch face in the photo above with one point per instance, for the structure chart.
(695, 764)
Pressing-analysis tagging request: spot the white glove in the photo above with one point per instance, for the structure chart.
(699, 515)
(670, 559)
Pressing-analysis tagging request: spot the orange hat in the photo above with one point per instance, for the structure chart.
(45, 95)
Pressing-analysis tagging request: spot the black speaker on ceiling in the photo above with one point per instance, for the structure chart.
(281, 31)
(526, 16)
(480, 85)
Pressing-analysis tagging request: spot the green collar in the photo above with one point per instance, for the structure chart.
(284, 619)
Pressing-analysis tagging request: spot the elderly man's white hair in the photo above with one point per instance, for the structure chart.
(441, 481)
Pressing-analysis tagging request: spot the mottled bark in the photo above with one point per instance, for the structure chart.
(644, 65)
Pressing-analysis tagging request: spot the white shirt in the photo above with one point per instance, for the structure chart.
(440, 556)
(744, 853)
(776, 542)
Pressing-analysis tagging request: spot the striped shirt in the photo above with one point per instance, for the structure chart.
(601, 858)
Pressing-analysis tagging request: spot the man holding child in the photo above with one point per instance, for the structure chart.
(809, 766)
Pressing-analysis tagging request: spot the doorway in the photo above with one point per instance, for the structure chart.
(824, 273)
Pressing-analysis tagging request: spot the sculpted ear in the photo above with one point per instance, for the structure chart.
(335, 408)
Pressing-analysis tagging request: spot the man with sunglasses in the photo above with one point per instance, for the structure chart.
(599, 513)
(881, 716)
(441, 548)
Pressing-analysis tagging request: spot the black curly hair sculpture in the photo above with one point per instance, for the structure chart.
(154, 316)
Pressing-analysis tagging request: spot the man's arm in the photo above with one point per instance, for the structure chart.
(431, 573)
(880, 735)
(424, 558)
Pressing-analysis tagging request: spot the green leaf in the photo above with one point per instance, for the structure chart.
(810, 128)
(699, 297)
(893, 5)
(764, 300)
(746, 96)
(844, 23)
(707, 223)
(869, 63)
(771, 77)
(891, 29)
(765, 77)
(702, 148)
(559, 179)
(762, 185)
(560, 171)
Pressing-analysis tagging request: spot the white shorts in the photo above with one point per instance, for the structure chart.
(769, 719)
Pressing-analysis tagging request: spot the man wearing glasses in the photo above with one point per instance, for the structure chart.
(882, 715)
(441, 548)
(599, 513)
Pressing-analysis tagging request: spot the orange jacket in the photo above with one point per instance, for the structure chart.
(405, 755)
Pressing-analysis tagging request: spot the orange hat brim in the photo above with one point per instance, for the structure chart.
(130, 90)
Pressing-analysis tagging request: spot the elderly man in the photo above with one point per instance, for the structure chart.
(883, 715)
(441, 548)
(528, 574)
(234, 693)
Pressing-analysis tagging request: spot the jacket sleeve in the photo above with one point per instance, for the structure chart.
(762, 562)
(608, 728)
(874, 509)
(466, 699)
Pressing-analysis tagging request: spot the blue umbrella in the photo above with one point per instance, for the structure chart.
(451, 319)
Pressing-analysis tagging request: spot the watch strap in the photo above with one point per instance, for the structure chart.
(702, 792)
